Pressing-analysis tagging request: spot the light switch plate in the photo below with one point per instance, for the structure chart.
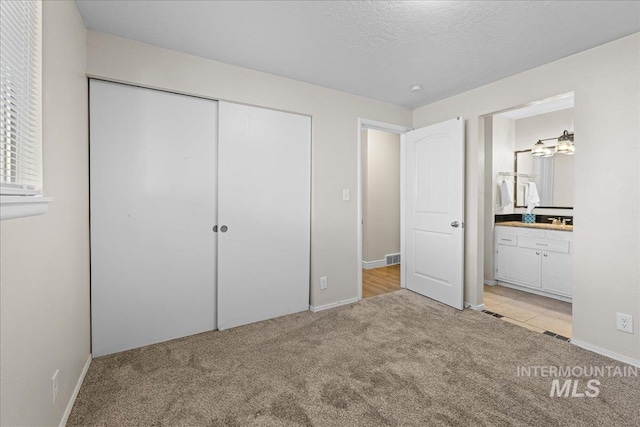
(345, 194)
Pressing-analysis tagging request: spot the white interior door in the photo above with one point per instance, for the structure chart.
(434, 211)
(263, 215)
(153, 206)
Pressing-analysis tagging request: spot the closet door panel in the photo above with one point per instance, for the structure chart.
(264, 201)
(153, 206)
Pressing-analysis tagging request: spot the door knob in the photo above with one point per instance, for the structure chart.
(215, 228)
(224, 228)
(455, 224)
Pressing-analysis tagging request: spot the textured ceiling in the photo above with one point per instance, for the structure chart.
(374, 49)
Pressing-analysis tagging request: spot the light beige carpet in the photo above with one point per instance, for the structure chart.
(397, 359)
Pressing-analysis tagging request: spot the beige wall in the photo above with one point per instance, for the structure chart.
(381, 195)
(334, 137)
(504, 134)
(499, 143)
(45, 259)
(606, 274)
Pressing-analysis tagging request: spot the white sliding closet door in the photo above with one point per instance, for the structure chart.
(264, 206)
(153, 207)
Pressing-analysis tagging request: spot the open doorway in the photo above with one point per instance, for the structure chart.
(381, 258)
(529, 215)
(380, 207)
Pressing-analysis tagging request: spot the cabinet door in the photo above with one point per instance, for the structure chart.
(557, 273)
(518, 265)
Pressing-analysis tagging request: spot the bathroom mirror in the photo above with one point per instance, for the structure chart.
(553, 177)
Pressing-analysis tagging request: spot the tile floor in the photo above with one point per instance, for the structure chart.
(528, 310)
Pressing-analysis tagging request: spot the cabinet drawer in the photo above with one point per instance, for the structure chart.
(506, 239)
(544, 244)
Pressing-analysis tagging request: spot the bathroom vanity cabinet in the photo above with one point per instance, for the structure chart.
(535, 260)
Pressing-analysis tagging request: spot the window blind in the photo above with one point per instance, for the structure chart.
(20, 97)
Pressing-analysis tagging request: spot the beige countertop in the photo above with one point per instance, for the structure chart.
(558, 227)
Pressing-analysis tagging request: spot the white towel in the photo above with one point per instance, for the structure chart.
(506, 194)
(531, 197)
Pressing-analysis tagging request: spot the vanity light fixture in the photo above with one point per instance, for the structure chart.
(565, 143)
(539, 149)
(565, 146)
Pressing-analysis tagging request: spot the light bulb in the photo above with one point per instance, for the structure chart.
(538, 149)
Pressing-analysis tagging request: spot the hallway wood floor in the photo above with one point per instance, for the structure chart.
(380, 281)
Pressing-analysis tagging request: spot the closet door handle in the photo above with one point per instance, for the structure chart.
(224, 228)
(455, 224)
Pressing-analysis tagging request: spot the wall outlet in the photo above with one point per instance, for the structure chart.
(55, 386)
(345, 195)
(323, 282)
(624, 322)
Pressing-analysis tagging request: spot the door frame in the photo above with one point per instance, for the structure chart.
(391, 128)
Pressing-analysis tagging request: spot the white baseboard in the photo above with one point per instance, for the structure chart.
(490, 282)
(370, 265)
(478, 307)
(333, 304)
(74, 395)
(604, 352)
